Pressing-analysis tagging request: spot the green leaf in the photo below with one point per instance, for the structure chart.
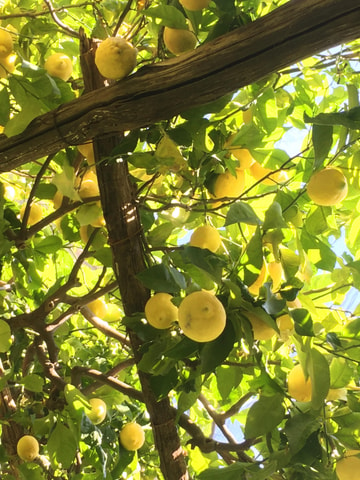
(48, 245)
(168, 15)
(243, 213)
(212, 354)
(319, 372)
(62, 446)
(227, 378)
(349, 119)
(204, 259)
(162, 384)
(264, 415)
(340, 372)
(303, 322)
(274, 218)
(5, 336)
(188, 398)
(322, 136)
(298, 428)
(33, 382)
(162, 278)
(4, 106)
(77, 402)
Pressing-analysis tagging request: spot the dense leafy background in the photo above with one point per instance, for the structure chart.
(233, 388)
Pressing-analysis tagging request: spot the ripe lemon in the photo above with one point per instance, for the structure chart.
(97, 413)
(7, 65)
(202, 316)
(87, 151)
(98, 307)
(327, 187)
(132, 436)
(299, 387)
(115, 58)
(228, 185)
(242, 154)
(179, 41)
(261, 330)
(59, 65)
(194, 5)
(113, 314)
(87, 185)
(254, 288)
(160, 312)
(206, 236)
(35, 215)
(6, 43)
(27, 448)
(264, 175)
(347, 467)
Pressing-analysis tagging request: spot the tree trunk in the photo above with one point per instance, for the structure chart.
(118, 200)
(290, 33)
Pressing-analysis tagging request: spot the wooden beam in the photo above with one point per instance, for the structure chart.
(297, 30)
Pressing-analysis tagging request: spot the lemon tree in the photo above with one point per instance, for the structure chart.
(180, 240)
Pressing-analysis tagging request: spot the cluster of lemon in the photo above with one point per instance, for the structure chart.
(7, 55)
(131, 436)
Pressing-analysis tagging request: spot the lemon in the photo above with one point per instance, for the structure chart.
(88, 185)
(97, 413)
(160, 312)
(194, 5)
(59, 65)
(27, 448)
(132, 436)
(6, 43)
(229, 185)
(113, 313)
(179, 41)
(202, 316)
(261, 330)
(327, 187)
(242, 154)
(115, 58)
(347, 467)
(265, 175)
(206, 236)
(7, 65)
(35, 214)
(299, 387)
(98, 307)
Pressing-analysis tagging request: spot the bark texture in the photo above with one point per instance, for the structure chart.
(285, 36)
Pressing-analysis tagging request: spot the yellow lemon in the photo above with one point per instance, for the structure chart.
(7, 65)
(98, 410)
(87, 185)
(35, 215)
(115, 58)
(347, 467)
(6, 43)
(160, 312)
(27, 448)
(229, 185)
(59, 65)
(179, 41)
(327, 187)
(286, 326)
(132, 436)
(194, 5)
(242, 154)
(265, 175)
(206, 236)
(261, 330)
(202, 316)
(57, 199)
(299, 387)
(98, 307)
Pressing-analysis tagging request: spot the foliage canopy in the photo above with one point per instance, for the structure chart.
(230, 399)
